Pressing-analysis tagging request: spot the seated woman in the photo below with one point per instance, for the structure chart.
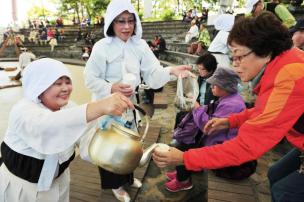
(202, 43)
(206, 65)
(192, 32)
(224, 84)
(42, 132)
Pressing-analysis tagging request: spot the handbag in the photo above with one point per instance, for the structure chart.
(186, 93)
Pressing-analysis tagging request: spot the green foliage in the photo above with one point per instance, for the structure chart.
(167, 15)
(38, 12)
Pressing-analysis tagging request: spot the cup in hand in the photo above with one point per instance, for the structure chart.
(129, 79)
(162, 148)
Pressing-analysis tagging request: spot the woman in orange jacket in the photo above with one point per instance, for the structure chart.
(262, 54)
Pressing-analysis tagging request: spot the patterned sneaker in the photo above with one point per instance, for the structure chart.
(175, 186)
(121, 194)
(171, 175)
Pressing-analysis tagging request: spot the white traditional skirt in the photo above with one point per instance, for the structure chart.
(15, 189)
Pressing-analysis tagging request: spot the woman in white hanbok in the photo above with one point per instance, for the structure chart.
(121, 54)
(42, 132)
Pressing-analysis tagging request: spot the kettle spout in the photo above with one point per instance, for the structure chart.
(147, 155)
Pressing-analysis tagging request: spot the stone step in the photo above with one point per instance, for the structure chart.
(177, 47)
(178, 57)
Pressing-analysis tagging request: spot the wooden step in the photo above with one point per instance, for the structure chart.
(160, 100)
(220, 189)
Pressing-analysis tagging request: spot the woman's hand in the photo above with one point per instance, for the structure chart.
(124, 89)
(216, 124)
(171, 157)
(183, 70)
(114, 104)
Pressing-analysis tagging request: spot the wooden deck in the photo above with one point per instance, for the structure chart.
(85, 180)
(220, 190)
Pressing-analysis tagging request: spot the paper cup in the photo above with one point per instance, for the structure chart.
(129, 79)
(162, 148)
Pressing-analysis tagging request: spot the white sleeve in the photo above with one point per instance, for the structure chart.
(46, 131)
(153, 73)
(85, 140)
(94, 74)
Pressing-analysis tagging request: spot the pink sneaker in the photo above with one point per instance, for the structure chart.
(175, 186)
(171, 175)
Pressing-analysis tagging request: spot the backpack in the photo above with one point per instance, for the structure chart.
(186, 130)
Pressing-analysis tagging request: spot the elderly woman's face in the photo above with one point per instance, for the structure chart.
(58, 94)
(124, 25)
(245, 62)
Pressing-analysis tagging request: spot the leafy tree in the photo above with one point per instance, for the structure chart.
(38, 12)
(83, 8)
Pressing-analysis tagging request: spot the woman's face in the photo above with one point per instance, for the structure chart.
(203, 72)
(124, 25)
(217, 91)
(245, 62)
(298, 39)
(58, 94)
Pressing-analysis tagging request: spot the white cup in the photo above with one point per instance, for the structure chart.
(161, 147)
(129, 79)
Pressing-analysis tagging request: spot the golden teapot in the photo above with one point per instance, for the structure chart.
(119, 149)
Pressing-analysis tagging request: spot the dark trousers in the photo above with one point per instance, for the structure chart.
(182, 173)
(286, 183)
(111, 180)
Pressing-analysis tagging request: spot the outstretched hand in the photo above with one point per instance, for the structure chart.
(216, 124)
(182, 70)
(116, 104)
(171, 157)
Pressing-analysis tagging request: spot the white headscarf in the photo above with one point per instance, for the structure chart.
(115, 8)
(250, 4)
(224, 22)
(40, 75)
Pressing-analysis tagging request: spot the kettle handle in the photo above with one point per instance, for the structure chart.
(141, 110)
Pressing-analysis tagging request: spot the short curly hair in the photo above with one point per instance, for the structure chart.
(264, 35)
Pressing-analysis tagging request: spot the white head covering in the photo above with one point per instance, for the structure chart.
(250, 4)
(224, 22)
(115, 8)
(40, 75)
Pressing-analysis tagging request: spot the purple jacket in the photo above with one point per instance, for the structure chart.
(233, 103)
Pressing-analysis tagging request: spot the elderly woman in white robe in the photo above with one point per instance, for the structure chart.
(42, 132)
(122, 52)
(218, 47)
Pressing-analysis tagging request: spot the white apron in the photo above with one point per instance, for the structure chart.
(15, 189)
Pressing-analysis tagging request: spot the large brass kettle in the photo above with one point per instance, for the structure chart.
(119, 149)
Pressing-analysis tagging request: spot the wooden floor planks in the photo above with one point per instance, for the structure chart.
(220, 189)
(85, 180)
